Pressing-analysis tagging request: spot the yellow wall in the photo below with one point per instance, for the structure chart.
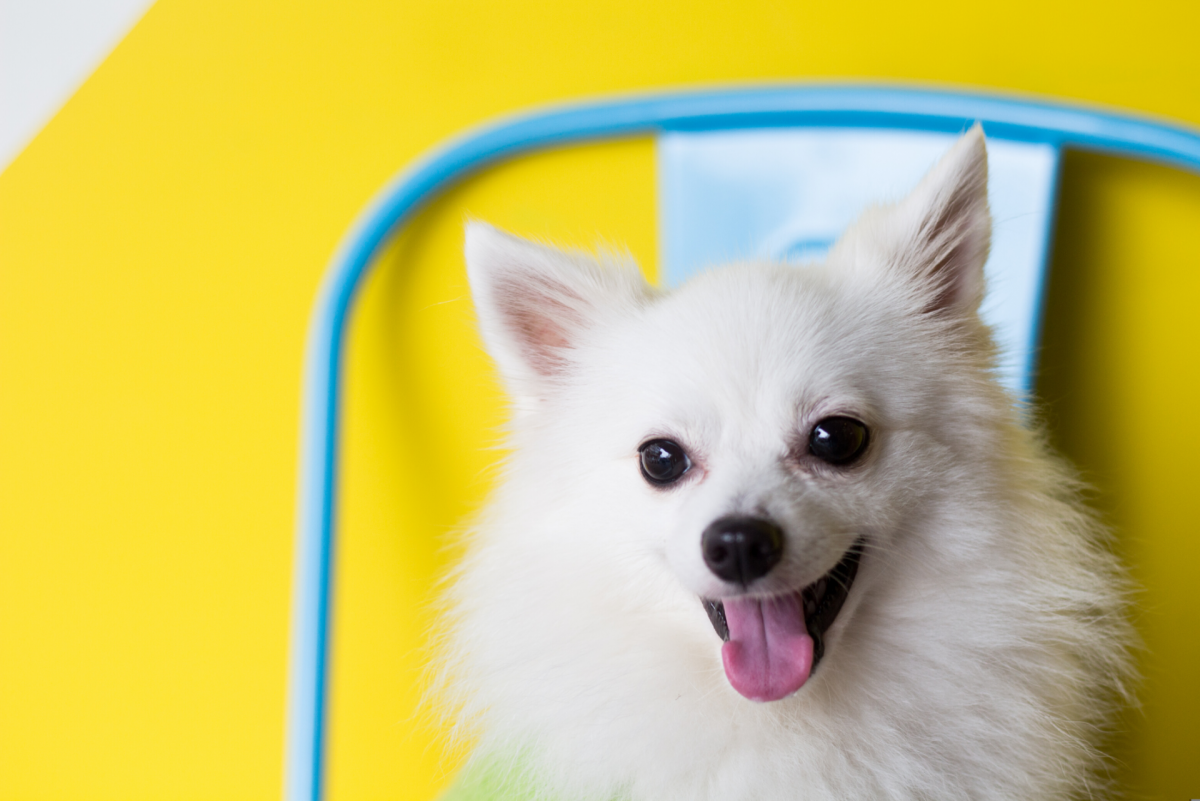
(160, 245)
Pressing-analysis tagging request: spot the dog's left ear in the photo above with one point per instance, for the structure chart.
(937, 238)
(535, 304)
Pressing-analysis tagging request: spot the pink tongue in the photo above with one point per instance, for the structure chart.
(769, 654)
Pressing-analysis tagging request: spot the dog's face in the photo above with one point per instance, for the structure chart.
(753, 436)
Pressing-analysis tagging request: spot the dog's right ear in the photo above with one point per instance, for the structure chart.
(535, 302)
(935, 240)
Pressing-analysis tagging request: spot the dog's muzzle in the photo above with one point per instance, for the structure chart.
(773, 644)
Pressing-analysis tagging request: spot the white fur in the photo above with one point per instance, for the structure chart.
(984, 643)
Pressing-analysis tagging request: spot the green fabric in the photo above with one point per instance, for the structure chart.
(493, 780)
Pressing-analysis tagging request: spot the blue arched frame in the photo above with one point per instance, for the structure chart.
(833, 106)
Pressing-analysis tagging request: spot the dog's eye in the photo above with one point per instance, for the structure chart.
(663, 461)
(838, 440)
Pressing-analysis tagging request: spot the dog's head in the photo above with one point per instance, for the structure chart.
(757, 433)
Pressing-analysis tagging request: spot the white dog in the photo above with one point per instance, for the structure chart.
(778, 534)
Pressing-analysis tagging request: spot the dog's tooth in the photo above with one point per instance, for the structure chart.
(716, 616)
(819, 590)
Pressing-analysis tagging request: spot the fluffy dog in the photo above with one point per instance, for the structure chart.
(778, 533)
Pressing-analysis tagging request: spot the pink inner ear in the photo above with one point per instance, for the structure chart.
(539, 322)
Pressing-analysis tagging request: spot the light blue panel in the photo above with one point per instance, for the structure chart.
(789, 193)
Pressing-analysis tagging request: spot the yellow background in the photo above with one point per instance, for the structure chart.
(161, 242)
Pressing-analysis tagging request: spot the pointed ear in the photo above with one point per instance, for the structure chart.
(534, 303)
(938, 237)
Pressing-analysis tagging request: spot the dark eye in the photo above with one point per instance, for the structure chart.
(663, 461)
(838, 440)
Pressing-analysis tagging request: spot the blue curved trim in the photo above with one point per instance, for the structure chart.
(825, 106)
(1030, 367)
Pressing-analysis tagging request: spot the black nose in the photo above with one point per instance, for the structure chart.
(742, 549)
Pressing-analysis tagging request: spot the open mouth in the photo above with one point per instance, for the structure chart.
(772, 645)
